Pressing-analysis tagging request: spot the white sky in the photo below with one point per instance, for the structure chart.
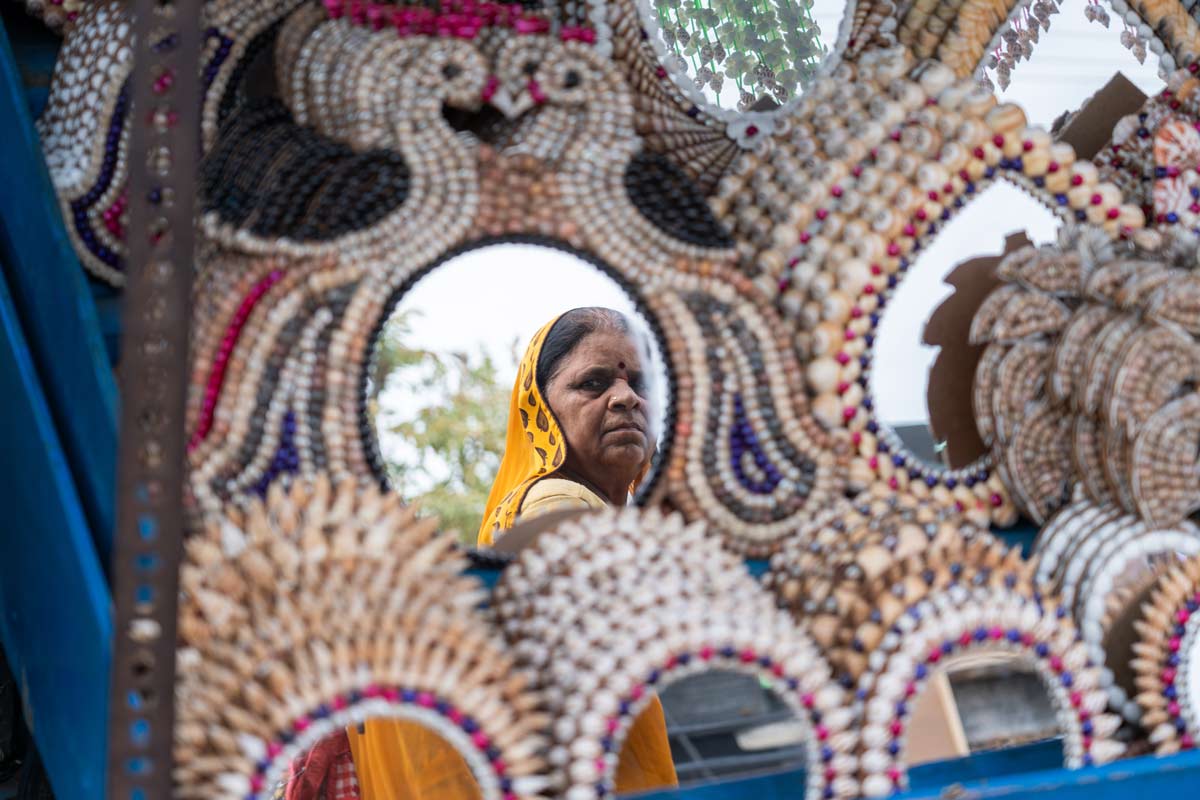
(468, 302)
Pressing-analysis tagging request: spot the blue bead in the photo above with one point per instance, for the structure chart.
(684, 658)
(1039, 182)
(607, 744)
(989, 172)
(901, 709)
(980, 634)
(1172, 217)
(921, 671)
(1014, 635)
(894, 748)
(1086, 727)
(951, 483)
(930, 481)
(948, 647)
(408, 696)
(1067, 679)
(1081, 215)
(1171, 693)
(898, 460)
(1042, 649)
(827, 753)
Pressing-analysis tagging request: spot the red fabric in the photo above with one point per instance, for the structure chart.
(326, 772)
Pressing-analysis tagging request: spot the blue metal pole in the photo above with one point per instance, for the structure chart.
(50, 295)
(55, 620)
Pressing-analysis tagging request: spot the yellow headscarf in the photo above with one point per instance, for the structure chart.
(533, 448)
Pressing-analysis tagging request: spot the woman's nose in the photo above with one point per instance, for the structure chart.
(623, 396)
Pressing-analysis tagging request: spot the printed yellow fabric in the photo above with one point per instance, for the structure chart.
(403, 760)
(558, 494)
(533, 447)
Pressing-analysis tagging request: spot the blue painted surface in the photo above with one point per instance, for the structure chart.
(54, 305)
(55, 623)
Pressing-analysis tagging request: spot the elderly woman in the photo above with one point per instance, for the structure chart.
(578, 428)
(578, 437)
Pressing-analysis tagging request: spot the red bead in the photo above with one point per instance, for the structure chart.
(998, 140)
(848, 413)
(836, 191)
(706, 653)
(1113, 213)
(1026, 145)
(1053, 167)
(1168, 676)
(1076, 180)
(1097, 199)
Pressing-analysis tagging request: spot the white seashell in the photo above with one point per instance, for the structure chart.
(876, 786)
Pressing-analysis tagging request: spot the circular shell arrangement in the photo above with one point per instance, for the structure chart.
(324, 606)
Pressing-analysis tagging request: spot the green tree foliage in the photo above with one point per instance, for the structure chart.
(444, 438)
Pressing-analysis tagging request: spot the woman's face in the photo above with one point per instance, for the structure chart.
(599, 400)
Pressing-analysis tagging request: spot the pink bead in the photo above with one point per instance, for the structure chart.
(480, 740)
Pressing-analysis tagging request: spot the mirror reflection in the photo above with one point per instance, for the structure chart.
(745, 56)
(982, 701)
(922, 369)
(380, 759)
(723, 723)
(543, 390)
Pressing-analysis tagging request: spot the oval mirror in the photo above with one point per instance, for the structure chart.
(981, 702)
(397, 759)
(444, 365)
(731, 58)
(922, 367)
(719, 724)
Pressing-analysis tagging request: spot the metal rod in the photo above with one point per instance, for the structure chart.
(153, 382)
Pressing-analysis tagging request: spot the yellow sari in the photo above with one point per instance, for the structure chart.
(402, 760)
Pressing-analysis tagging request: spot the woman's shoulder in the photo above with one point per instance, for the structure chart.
(558, 494)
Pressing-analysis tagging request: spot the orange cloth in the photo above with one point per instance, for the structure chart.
(403, 760)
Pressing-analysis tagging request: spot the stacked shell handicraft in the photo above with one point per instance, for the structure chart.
(1089, 375)
(618, 605)
(896, 590)
(324, 606)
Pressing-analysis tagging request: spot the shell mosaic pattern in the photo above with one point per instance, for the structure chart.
(909, 145)
(86, 150)
(327, 605)
(1083, 351)
(285, 324)
(1099, 561)
(895, 589)
(617, 605)
(1165, 659)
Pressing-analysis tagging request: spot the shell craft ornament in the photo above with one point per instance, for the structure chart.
(617, 605)
(904, 591)
(324, 606)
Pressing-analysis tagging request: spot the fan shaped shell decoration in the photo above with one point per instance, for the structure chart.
(1100, 561)
(618, 605)
(895, 590)
(1165, 660)
(1084, 355)
(327, 605)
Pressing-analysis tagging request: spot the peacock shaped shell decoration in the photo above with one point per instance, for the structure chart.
(326, 605)
(617, 605)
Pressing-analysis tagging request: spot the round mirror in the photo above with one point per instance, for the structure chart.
(922, 368)
(399, 759)
(719, 724)
(981, 702)
(441, 385)
(732, 57)
(1085, 45)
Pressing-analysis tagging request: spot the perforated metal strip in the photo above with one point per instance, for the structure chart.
(153, 378)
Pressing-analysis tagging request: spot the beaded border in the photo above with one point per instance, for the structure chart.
(1033, 636)
(458, 729)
